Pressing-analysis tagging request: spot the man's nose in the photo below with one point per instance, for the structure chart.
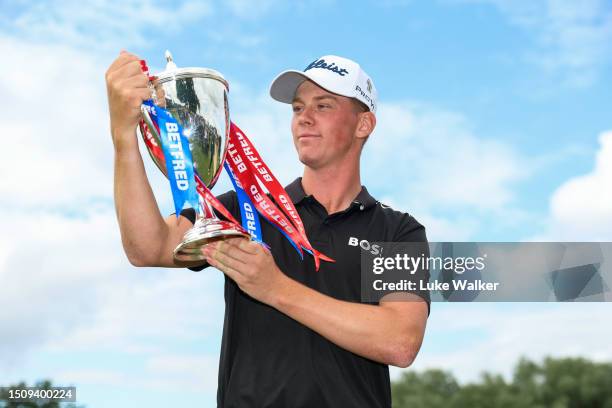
(306, 117)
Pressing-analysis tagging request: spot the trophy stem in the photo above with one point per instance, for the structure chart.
(206, 229)
(207, 209)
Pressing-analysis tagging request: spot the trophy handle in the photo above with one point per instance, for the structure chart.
(146, 116)
(152, 139)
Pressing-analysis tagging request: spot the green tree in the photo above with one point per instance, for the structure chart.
(492, 392)
(432, 389)
(556, 383)
(576, 383)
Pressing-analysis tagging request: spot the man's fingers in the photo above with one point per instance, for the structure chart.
(138, 80)
(240, 249)
(225, 255)
(143, 94)
(244, 244)
(132, 90)
(128, 70)
(123, 58)
(232, 273)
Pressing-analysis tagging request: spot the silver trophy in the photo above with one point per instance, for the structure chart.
(197, 99)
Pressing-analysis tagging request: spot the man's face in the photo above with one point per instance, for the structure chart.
(323, 126)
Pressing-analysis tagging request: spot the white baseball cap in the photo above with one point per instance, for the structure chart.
(332, 73)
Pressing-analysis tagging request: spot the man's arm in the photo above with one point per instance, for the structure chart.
(390, 333)
(148, 239)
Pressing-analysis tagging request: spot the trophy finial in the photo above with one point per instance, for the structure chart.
(170, 65)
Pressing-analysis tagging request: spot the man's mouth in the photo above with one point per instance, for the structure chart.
(308, 136)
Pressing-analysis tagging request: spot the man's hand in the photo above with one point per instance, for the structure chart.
(249, 264)
(127, 87)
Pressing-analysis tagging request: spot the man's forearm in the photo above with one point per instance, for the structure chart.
(140, 221)
(381, 333)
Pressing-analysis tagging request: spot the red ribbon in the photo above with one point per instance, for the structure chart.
(248, 167)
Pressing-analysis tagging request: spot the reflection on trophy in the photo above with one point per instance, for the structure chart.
(197, 99)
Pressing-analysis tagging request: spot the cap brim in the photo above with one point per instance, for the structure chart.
(285, 84)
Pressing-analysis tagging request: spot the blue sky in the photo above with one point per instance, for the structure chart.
(494, 125)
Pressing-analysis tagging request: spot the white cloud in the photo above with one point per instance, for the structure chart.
(431, 163)
(144, 314)
(66, 286)
(572, 38)
(162, 373)
(57, 121)
(581, 208)
(195, 372)
(103, 23)
(49, 271)
(436, 160)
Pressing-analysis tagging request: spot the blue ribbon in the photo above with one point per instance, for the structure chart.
(179, 163)
(250, 218)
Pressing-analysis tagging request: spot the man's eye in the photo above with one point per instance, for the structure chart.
(324, 106)
(297, 108)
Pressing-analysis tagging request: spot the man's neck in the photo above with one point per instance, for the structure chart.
(334, 188)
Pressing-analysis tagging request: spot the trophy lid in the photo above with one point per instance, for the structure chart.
(172, 72)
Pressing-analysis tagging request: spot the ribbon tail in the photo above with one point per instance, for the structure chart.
(323, 256)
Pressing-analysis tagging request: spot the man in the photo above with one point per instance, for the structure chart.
(292, 337)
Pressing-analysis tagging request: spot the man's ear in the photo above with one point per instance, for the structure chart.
(366, 124)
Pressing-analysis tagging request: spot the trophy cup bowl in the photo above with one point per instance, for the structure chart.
(197, 99)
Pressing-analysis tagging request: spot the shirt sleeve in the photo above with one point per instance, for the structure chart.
(410, 239)
(229, 200)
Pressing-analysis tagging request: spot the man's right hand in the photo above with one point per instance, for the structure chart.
(127, 87)
(148, 239)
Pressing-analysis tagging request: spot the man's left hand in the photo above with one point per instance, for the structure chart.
(249, 264)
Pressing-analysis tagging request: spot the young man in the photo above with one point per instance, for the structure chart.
(292, 337)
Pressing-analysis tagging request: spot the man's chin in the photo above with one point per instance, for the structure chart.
(309, 161)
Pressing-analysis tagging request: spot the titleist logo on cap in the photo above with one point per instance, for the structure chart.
(320, 63)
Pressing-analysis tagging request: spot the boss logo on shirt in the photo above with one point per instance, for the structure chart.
(365, 245)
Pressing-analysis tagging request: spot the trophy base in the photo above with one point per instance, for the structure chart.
(205, 230)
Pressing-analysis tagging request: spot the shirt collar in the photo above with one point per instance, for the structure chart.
(297, 194)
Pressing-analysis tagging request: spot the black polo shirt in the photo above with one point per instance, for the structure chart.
(270, 360)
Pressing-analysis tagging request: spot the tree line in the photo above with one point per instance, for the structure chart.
(554, 383)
